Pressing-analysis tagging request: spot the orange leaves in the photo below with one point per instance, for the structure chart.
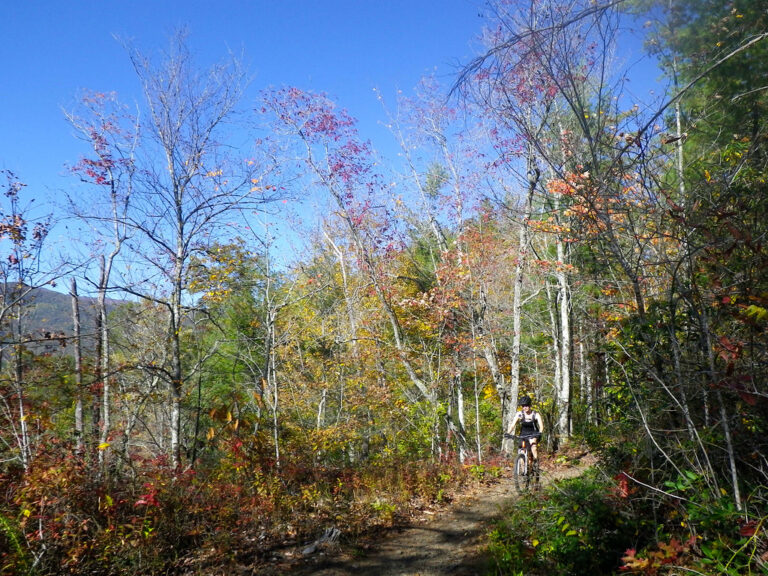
(572, 184)
(561, 187)
(671, 553)
(550, 265)
(551, 226)
(590, 206)
(581, 206)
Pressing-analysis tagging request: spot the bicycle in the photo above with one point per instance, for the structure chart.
(526, 471)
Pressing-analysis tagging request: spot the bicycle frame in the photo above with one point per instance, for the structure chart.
(526, 470)
(525, 449)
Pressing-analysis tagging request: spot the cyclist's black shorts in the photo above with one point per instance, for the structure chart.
(523, 437)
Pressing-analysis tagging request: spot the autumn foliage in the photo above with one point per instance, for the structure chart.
(538, 234)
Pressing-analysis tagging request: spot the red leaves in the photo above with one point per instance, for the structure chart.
(731, 350)
(95, 171)
(312, 115)
(150, 498)
(335, 151)
(622, 487)
(101, 128)
(748, 529)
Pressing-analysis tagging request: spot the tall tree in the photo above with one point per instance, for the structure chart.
(112, 133)
(186, 184)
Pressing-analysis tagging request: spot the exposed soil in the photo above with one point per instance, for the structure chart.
(450, 540)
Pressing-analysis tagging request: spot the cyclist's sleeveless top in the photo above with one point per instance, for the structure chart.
(528, 427)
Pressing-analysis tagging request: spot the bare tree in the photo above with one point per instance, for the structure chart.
(112, 133)
(190, 184)
(178, 185)
(22, 270)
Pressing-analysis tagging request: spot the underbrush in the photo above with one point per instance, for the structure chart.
(607, 522)
(578, 526)
(61, 517)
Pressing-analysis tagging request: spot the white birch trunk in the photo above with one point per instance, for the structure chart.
(104, 359)
(79, 432)
(564, 390)
(517, 301)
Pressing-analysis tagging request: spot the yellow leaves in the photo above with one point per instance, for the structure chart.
(27, 513)
(103, 446)
(214, 173)
(707, 176)
(565, 527)
(757, 312)
(106, 503)
(310, 494)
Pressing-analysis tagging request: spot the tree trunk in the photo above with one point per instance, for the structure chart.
(460, 429)
(18, 381)
(564, 301)
(176, 376)
(104, 361)
(79, 432)
(517, 300)
(554, 328)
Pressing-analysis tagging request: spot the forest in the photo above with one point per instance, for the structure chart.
(552, 230)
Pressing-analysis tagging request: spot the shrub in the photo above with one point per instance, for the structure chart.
(577, 526)
(705, 532)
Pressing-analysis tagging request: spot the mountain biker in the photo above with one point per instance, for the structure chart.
(531, 424)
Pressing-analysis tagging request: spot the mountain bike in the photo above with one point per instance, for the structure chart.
(526, 471)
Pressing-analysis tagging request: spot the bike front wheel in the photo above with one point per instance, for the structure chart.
(521, 474)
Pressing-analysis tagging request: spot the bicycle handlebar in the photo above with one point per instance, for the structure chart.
(536, 435)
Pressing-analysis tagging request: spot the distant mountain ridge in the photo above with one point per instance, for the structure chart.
(48, 316)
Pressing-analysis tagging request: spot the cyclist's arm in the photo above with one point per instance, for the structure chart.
(540, 421)
(513, 424)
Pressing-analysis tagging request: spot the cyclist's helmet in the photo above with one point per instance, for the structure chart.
(525, 401)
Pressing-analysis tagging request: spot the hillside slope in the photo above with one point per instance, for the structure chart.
(47, 319)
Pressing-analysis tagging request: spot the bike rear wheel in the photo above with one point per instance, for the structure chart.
(521, 474)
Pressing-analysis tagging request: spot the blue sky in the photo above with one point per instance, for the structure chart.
(51, 50)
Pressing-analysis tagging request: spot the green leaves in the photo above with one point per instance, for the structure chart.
(684, 483)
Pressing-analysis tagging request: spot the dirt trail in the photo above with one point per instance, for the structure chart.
(450, 541)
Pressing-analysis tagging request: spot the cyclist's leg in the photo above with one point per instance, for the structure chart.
(534, 448)
(520, 473)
